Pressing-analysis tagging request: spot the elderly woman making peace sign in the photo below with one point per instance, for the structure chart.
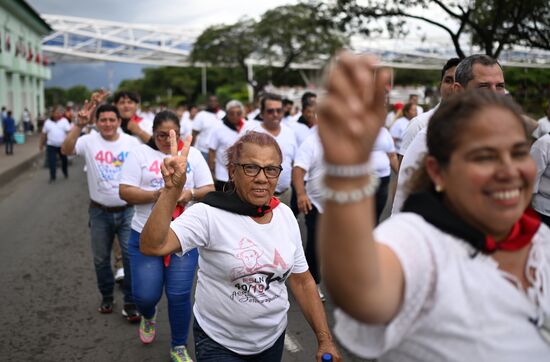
(463, 274)
(249, 245)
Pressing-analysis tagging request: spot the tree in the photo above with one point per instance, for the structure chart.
(231, 45)
(55, 96)
(297, 34)
(284, 35)
(493, 25)
(78, 94)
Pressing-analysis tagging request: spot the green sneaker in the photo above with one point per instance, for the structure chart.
(180, 354)
(148, 329)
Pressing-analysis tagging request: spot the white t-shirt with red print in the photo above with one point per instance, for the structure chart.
(241, 300)
(142, 169)
(104, 160)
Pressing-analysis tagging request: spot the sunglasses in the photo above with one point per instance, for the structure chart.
(274, 110)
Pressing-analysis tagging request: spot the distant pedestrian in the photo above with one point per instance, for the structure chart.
(8, 126)
(27, 125)
(53, 134)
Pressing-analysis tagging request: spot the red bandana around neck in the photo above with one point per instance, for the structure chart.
(521, 234)
(273, 203)
(135, 118)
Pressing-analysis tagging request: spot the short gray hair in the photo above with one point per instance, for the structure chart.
(464, 71)
(232, 104)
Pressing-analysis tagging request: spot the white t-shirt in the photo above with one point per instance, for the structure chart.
(543, 127)
(287, 142)
(540, 151)
(241, 300)
(412, 160)
(56, 132)
(397, 130)
(415, 125)
(301, 131)
(186, 127)
(379, 158)
(455, 307)
(310, 158)
(104, 160)
(221, 138)
(204, 123)
(142, 169)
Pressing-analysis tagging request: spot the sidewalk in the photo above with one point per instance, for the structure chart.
(23, 158)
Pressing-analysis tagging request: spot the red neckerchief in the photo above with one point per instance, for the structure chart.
(240, 125)
(521, 234)
(177, 212)
(273, 203)
(135, 118)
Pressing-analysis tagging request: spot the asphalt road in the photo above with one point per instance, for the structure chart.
(48, 307)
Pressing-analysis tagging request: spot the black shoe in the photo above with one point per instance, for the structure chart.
(106, 306)
(131, 313)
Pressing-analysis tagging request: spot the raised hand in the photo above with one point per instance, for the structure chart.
(353, 110)
(84, 116)
(174, 167)
(99, 96)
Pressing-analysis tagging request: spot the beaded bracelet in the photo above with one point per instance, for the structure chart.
(352, 196)
(360, 170)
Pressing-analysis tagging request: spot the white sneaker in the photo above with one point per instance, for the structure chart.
(119, 275)
(321, 295)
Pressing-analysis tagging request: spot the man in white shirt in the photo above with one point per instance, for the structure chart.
(204, 123)
(53, 134)
(105, 152)
(477, 71)
(413, 98)
(221, 138)
(543, 124)
(271, 110)
(421, 121)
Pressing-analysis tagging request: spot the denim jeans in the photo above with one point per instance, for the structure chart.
(381, 196)
(104, 225)
(207, 350)
(51, 156)
(149, 276)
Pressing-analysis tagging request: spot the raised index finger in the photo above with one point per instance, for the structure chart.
(173, 143)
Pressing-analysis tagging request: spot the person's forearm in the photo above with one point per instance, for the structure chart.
(298, 174)
(153, 235)
(202, 191)
(212, 161)
(142, 135)
(348, 252)
(305, 293)
(42, 141)
(67, 148)
(136, 196)
(194, 134)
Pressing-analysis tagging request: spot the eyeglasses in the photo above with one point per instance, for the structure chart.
(163, 136)
(274, 110)
(253, 170)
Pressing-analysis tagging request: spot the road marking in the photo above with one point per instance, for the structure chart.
(291, 344)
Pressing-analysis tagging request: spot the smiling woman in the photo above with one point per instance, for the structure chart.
(467, 263)
(249, 247)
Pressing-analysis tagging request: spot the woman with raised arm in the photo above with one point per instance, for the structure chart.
(141, 185)
(464, 273)
(249, 246)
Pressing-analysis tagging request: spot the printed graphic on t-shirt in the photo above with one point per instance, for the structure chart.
(109, 167)
(157, 182)
(252, 278)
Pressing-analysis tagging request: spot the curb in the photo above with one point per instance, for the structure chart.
(10, 174)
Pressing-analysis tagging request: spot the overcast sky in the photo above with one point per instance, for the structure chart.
(188, 13)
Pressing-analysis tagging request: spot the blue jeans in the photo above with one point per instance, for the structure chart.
(207, 350)
(8, 141)
(149, 276)
(51, 156)
(104, 225)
